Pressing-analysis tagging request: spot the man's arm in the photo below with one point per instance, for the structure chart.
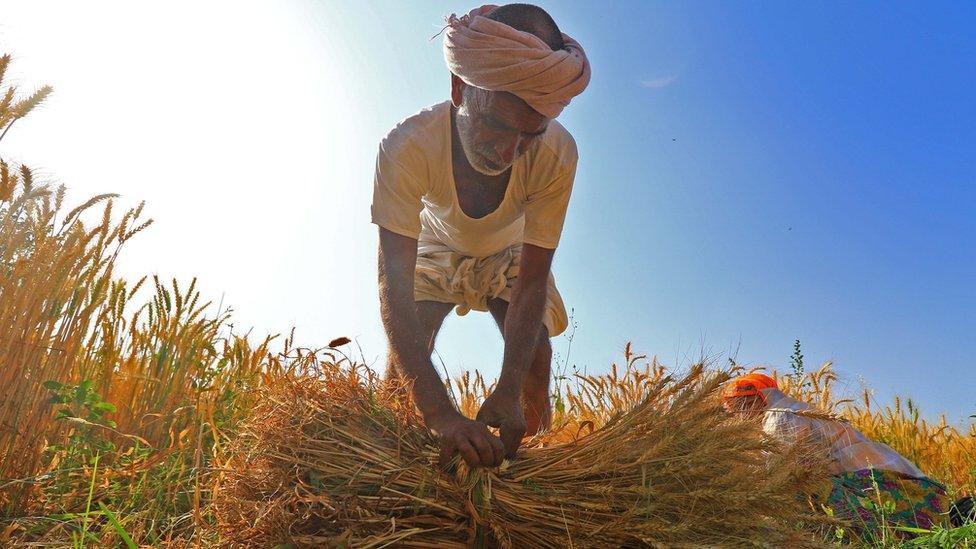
(523, 322)
(457, 434)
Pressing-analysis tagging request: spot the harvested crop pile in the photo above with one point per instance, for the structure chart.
(332, 460)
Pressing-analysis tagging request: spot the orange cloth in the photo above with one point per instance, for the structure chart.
(748, 385)
(494, 56)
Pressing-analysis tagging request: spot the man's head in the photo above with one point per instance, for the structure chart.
(744, 394)
(496, 127)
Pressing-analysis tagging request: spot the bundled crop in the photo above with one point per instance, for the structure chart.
(337, 460)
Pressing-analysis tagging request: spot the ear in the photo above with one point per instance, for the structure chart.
(457, 86)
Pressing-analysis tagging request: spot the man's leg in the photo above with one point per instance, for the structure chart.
(431, 315)
(535, 391)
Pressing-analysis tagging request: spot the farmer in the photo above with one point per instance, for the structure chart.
(862, 471)
(470, 197)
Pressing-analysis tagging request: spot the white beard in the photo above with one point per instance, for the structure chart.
(475, 157)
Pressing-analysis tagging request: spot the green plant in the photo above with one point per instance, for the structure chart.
(559, 374)
(118, 526)
(796, 366)
(85, 410)
(942, 538)
(79, 541)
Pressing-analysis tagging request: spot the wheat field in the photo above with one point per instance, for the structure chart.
(124, 404)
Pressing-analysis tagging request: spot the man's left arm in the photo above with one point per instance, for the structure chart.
(523, 325)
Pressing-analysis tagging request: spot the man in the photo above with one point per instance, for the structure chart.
(863, 472)
(470, 197)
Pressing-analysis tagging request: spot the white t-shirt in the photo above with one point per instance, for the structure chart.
(414, 193)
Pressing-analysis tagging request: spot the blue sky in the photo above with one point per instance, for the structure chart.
(749, 174)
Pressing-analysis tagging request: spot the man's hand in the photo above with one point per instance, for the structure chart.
(471, 439)
(503, 410)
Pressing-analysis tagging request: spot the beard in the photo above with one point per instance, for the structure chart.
(482, 158)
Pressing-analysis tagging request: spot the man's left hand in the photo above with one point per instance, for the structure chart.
(503, 409)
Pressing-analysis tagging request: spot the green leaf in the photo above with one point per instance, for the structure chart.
(104, 407)
(912, 530)
(560, 406)
(118, 527)
(81, 391)
(52, 385)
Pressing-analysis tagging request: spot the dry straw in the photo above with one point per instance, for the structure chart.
(333, 460)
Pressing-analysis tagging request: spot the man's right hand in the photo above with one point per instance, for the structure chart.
(472, 439)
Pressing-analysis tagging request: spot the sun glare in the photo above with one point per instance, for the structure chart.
(230, 119)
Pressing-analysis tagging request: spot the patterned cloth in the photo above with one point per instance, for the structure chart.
(871, 498)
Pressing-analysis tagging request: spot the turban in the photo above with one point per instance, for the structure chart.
(748, 385)
(494, 56)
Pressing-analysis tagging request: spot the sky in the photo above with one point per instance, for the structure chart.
(750, 173)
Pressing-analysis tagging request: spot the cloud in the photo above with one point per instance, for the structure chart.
(658, 83)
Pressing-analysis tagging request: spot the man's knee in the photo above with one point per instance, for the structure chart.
(392, 367)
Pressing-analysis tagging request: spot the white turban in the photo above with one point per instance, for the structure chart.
(492, 55)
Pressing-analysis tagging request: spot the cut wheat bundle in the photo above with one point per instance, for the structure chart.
(333, 460)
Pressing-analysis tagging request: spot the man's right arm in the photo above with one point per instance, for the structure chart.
(457, 434)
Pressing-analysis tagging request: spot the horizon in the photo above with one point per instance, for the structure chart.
(748, 175)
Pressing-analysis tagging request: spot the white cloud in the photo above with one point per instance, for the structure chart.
(660, 82)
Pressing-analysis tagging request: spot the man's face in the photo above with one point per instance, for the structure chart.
(751, 405)
(495, 128)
